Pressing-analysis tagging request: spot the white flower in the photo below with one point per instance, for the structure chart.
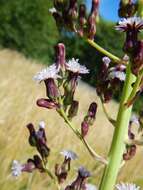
(74, 66)
(117, 74)
(135, 119)
(127, 186)
(42, 125)
(106, 60)
(16, 168)
(91, 187)
(49, 72)
(84, 172)
(52, 10)
(69, 154)
(130, 23)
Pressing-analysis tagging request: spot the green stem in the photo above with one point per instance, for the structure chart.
(77, 133)
(121, 130)
(105, 52)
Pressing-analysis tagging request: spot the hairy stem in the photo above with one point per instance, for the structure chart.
(121, 130)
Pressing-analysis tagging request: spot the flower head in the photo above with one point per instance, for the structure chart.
(84, 172)
(90, 187)
(127, 186)
(106, 60)
(117, 74)
(132, 23)
(42, 125)
(50, 72)
(52, 10)
(69, 154)
(134, 119)
(74, 66)
(16, 168)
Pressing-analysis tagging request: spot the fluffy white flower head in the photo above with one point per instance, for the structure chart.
(127, 186)
(16, 168)
(134, 119)
(130, 23)
(117, 74)
(74, 66)
(91, 187)
(42, 125)
(49, 72)
(52, 10)
(106, 60)
(69, 154)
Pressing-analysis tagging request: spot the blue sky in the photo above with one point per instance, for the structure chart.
(108, 9)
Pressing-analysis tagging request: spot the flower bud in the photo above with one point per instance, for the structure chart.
(137, 58)
(72, 11)
(60, 4)
(46, 103)
(82, 19)
(29, 166)
(59, 20)
(73, 109)
(38, 163)
(84, 128)
(92, 110)
(32, 137)
(127, 9)
(61, 173)
(51, 89)
(60, 55)
(43, 149)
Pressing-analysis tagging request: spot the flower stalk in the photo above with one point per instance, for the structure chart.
(77, 133)
(120, 134)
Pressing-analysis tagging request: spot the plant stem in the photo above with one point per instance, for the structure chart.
(77, 133)
(121, 130)
(105, 52)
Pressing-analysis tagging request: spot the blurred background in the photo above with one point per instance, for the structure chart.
(28, 34)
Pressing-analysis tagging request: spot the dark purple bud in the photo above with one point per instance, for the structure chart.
(84, 128)
(60, 4)
(32, 138)
(73, 109)
(51, 89)
(60, 55)
(131, 41)
(94, 8)
(132, 150)
(59, 20)
(43, 149)
(41, 135)
(108, 95)
(38, 163)
(92, 110)
(138, 58)
(127, 9)
(82, 19)
(46, 103)
(130, 134)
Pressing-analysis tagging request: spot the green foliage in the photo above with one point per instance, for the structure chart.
(27, 26)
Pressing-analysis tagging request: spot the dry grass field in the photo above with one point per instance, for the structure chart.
(18, 94)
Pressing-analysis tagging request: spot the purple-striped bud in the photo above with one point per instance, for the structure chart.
(43, 149)
(91, 28)
(130, 153)
(138, 58)
(46, 103)
(82, 19)
(51, 88)
(73, 109)
(84, 128)
(61, 173)
(72, 11)
(60, 55)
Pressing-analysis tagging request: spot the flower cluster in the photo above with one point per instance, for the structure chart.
(109, 79)
(132, 46)
(127, 8)
(73, 19)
